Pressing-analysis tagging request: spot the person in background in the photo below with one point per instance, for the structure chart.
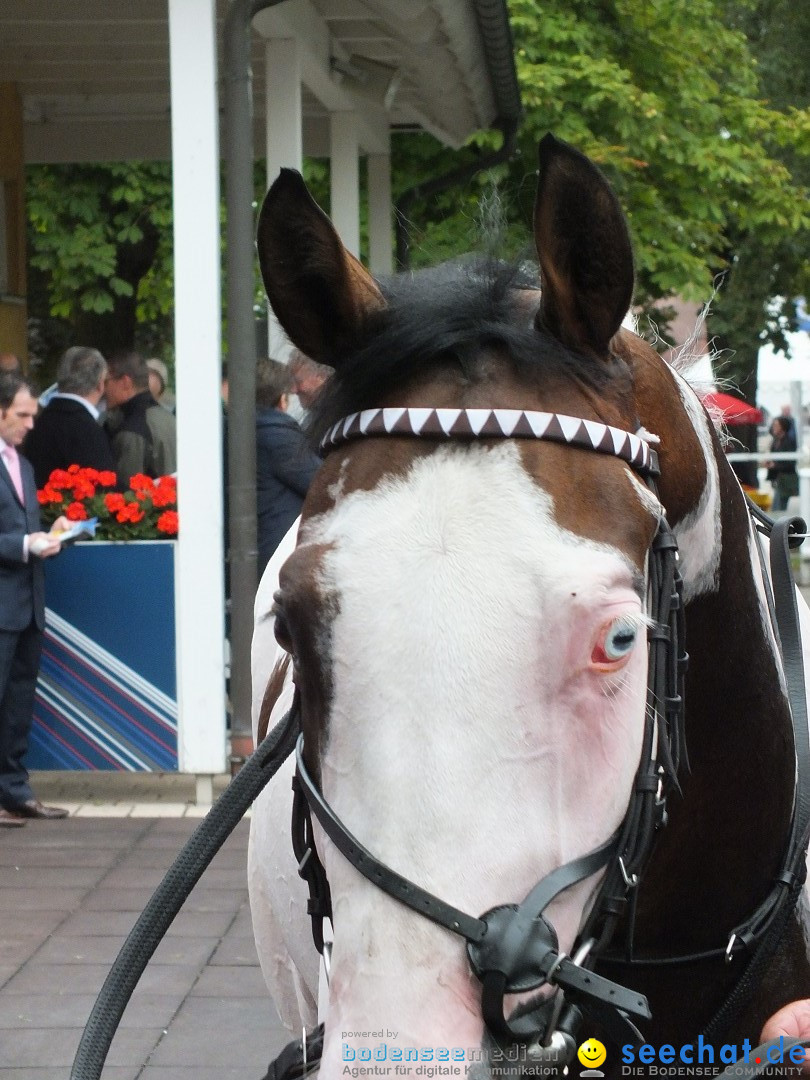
(23, 546)
(307, 378)
(285, 464)
(10, 362)
(786, 413)
(143, 436)
(67, 431)
(782, 474)
(159, 382)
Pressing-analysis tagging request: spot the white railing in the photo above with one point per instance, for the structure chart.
(804, 484)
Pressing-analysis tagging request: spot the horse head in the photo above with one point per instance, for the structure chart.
(467, 613)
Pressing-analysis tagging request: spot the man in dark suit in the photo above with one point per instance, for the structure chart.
(67, 431)
(23, 546)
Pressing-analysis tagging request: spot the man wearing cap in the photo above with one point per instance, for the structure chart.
(67, 432)
(159, 382)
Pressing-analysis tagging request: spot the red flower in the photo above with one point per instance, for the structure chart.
(76, 512)
(129, 513)
(163, 495)
(60, 478)
(168, 522)
(83, 489)
(139, 482)
(138, 513)
(114, 501)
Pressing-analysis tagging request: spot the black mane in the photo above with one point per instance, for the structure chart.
(453, 314)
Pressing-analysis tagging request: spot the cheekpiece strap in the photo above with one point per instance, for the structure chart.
(498, 424)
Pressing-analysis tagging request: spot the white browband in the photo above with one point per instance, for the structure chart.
(498, 424)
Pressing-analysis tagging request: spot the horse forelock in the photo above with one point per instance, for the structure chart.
(469, 319)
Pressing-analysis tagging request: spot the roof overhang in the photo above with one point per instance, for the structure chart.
(94, 74)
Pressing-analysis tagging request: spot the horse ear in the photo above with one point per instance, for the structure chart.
(586, 261)
(319, 291)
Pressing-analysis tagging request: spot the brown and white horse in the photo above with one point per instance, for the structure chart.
(467, 619)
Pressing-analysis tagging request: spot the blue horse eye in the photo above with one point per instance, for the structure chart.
(620, 639)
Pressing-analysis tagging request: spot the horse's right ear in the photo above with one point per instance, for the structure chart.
(586, 261)
(320, 293)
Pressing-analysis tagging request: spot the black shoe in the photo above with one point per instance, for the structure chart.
(34, 809)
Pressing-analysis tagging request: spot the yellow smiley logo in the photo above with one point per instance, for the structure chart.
(592, 1054)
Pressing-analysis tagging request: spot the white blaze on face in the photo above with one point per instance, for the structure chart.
(472, 746)
(699, 533)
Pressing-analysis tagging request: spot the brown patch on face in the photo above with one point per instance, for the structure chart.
(593, 495)
(272, 692)
(660, 411)
(308, 613)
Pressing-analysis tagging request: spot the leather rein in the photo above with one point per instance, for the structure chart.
(513, 948)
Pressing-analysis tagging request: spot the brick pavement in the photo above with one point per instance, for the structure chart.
(70, 892)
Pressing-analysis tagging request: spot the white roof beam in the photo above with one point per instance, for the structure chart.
(298, 18)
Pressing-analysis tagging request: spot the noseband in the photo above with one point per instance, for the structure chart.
(513, 948)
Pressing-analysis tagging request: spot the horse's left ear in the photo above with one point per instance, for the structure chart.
(586, 261)
(320, 293)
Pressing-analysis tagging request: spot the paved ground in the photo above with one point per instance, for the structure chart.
(70, 892)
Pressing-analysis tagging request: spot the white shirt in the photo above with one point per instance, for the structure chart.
(75, 397)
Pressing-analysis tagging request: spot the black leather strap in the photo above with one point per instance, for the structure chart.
(787, 621)
(377, 872)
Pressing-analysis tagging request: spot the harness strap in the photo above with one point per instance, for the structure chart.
(767, 925)
(787, 617)
(378, 873)
(512, 947)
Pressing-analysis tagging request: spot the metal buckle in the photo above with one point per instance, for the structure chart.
(729, 948)
(630, 880)
(304, 860)
(559, 1052)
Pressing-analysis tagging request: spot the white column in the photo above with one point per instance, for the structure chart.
(380, 240)
(284, 135)
(345, 185)
(199, 587)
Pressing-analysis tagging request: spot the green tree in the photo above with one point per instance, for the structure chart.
(697, 111)
(763, 267)
(101, 259)
(666, 98)
(100, 249)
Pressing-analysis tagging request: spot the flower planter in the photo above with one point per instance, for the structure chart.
(107, 691)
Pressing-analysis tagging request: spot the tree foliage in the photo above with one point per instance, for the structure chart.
(697, 110)
(100, 240)
(666, 97)
(766, 272)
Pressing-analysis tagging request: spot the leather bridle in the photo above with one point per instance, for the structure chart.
(513, 948)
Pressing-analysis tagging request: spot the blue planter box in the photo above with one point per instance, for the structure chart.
(107, 691)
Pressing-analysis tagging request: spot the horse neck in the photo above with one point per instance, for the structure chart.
(728, 831)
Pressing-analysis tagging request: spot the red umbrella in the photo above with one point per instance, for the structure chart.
(732, 409)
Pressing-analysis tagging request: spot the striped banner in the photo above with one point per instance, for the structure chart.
(106, 695)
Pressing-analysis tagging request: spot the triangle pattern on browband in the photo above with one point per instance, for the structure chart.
(499, 424)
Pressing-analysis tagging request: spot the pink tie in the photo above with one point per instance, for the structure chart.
(12, 460)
